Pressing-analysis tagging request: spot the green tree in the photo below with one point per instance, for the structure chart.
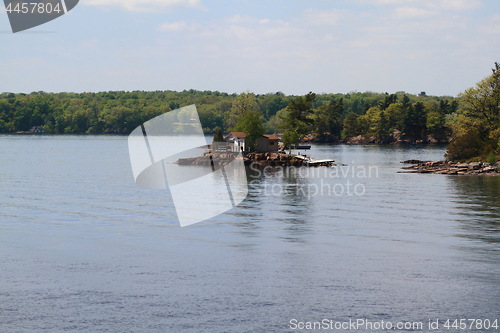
(244, 102)
(250, 122)
(477, 126)
(395, 116)
(350, 125)
(435, 121)
(481, 103)
(415, 119)
(368, 121)
(327, 119)
(274, 105)
(446, 107)
(296, 122)
(388, 100)
(218, 135)
(381, 126)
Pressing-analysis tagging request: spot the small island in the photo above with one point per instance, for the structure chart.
(257, 159)
(263, 151)
(453, 168)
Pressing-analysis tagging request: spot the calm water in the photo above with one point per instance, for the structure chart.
(83, 249)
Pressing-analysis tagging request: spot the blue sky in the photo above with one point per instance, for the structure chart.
(438, 46)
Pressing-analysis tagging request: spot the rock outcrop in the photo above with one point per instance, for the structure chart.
(452, 168)
(260, 159)
(273, 159)
(395, 137)
(204, 159)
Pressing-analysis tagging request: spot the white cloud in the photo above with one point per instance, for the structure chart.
(461, 4)
(386, 2)
(493, 27)
(413, 12)
(322, 17)
(278, 31)
(174, 27)
(242, 33)
(393, 2)
(235, 19)
(144, 5)
(458, 5)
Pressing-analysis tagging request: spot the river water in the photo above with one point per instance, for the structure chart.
(82, 248)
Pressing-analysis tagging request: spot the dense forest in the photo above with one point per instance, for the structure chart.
(120, 112)
(471, 120)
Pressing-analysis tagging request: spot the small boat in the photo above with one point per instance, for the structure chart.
(312, 162)
(301, 147)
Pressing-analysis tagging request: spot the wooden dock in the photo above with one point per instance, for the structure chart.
(312, 162)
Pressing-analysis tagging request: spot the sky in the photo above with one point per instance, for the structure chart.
(441, 47)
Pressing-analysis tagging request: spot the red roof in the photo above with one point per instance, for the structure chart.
(237, 135)
(271, 137)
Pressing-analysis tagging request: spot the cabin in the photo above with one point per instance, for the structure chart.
(236, 141)
(265, 143)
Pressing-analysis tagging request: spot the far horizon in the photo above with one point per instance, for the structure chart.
(353, 92)
(441, 47)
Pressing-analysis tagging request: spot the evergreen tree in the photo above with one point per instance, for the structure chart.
(381, 126)
(350, 125)
(327, 119)
(218, 135)
(296, 122)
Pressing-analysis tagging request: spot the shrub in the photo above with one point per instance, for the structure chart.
(464, 147)
(492, 159)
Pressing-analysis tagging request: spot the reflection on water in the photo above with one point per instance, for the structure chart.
(479, 201)
(280, 193)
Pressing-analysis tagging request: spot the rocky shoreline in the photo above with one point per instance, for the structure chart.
(394, 138)
(452, 168)
(260, 159)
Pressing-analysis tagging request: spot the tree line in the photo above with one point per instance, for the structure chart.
(121, 112)
(394, 112)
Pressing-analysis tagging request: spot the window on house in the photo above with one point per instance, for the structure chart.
(271, 143)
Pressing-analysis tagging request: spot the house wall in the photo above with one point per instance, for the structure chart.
(272, 147)
(236, 143)
(263, 144)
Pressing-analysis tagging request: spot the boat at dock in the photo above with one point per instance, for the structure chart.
(312, 162)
